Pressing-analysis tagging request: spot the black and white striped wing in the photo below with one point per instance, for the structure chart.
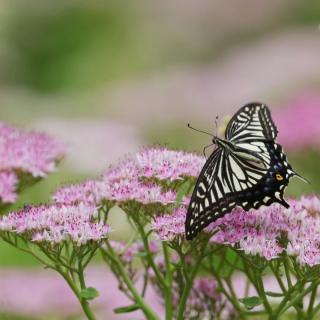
(252, 122)
(229, 180)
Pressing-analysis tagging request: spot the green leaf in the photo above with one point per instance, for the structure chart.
(89, 293)
(274, 294)
(251, 302)
(127, 309)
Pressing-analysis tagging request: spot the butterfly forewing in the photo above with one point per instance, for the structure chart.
(251, 122)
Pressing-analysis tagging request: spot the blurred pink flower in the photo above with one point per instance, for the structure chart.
(298, 122)
(52, 297)
(8, 184)
(127, 252)
(56, 223)
(33, 153)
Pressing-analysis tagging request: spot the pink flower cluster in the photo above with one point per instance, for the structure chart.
(168, 227)
(165, 164)
(298, 122)
(125, 182)
(125, 169)
(90, 191)
(129, 189)
(122, 191)
(24, 152)
(267, 232)
(56, 223)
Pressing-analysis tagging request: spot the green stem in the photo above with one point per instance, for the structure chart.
(247, 288)
(280, 282)
(255, 313)
(233, 301)
(263, 295)
(84, 303)
(230, 287)
(81, 276)
(155, 269)
(168, 288)
(149, 313)
(284, 306)
(315, 311)
(287, 272)
(311, 302)
(188, 285)
(284, 290)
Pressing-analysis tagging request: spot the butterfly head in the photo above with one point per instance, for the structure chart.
(223, 143)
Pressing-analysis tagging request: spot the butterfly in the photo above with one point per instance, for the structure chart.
(247, 169)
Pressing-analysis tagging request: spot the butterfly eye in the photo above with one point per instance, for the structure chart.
(279, 177)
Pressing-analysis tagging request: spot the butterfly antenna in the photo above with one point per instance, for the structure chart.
(205, 148)
(189, 126)
(302, 178)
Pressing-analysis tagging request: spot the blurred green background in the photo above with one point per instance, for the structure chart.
(108, 77)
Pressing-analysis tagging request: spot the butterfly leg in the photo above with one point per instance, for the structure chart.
(205, 148)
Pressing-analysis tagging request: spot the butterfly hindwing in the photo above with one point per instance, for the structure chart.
(212, 198)
(270, 188)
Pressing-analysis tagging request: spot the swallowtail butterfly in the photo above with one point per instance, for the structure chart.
(247, 169)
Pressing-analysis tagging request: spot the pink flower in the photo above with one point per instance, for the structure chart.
(168, 227)
(126, 169)
(165, 164)
(91, 191)
(159, 163)
(150, 193)
(124, 190)
(8, 185)
(56, 223)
